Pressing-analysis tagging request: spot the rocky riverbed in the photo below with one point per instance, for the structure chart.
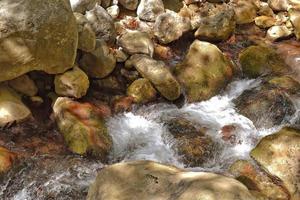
(150, 99)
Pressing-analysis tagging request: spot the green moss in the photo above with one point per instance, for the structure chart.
(260, 60)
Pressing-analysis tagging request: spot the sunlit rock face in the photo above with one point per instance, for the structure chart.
(279, 155)
(36, 35)
(11, 107)
(151, 180)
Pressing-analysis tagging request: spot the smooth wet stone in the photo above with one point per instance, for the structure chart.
(142, 91)
(286, 83)
(192, 145)
(204, 72)
(83, 127)
(81, 6)
(11, 107)
(149, 10)
(170, 26)
(100, 62)
(7, 159)
(295, 19)
(86, 35)
(261, 60)
(24, 84)
(245, 11)
(257, 180)
(279, 155)
(45, 39)
(134, 42)
(157, 73)
(73, 83)
(265, 10)
(278, 32)
(265, 21)
(279, 5)
(113, 11)
(151, 180)
(102, 23)
(267, 105)
(217, 27)
(129, 4)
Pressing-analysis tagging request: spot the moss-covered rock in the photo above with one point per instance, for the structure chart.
(142, 91)
(257, 180)
(151, 180)
(245, 11)
(7, 159)
(83, 127)
(204, 71)
(261, 60)
(279, 155)
(100, 62)
(43, 37)
(11, 106)
(73, 83)
(192, 144)
(157, 73)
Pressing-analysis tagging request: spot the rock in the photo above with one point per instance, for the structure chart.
(113, 11)
(170, 26)
(50, 41)
(129, 4)
(73, 83)
(217, 27)
(295, 19)
(261, 60)
(265, 21)
(110, 83)
(257, 180)
(279, 155)
(285, 83)
(7, 159)
(86, 35)
(82, 127)
(81, 6)
(266, 106)
(105, 3)
(245, 11)
(11, 107)
(24, 84)
(134, 42)
(142, 91)
(278, 32)
(204, 71)
(102, 23)
(100, 62)
(120, 55)
(122, 104)
(192, 144)
(151, 180)
(149, 10)
(265, 10)
(157, 73)
(279, 5)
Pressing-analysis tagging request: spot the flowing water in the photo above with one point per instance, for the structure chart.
(142, 135)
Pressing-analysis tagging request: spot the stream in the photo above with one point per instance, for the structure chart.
(142, 135)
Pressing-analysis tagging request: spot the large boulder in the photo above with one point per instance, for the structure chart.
(142, 91)
(149, 10)
(279, 155)
(257, 180)
(102, 23)
(11, 107)
(170, 26)
(134, 42)
(261, 60)
(36, 35)
(204, 71)
(269, 104)
(157, 73)
(83, 127)
(100, 62)
(151, 180)
(217, 27)
(73, 83)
